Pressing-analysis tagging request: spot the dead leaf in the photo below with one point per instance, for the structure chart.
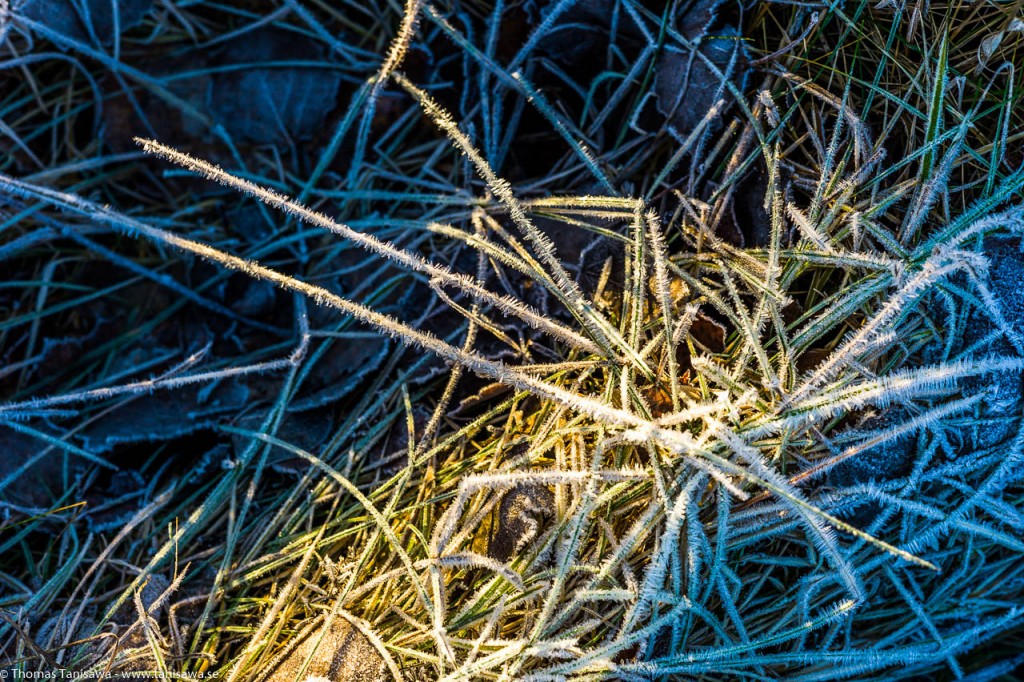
(518, 520)
(306, 431)
(166, 414)
(271, 100)
(708, 333)
(484, 396)
(811, 358)
(695, 18)
(112, 507)
(686, 87)
(338, 653)
(39, 486)
(341, 369)
(73, 18)
(1005, 390)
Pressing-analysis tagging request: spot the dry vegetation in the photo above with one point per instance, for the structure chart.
(605, 339)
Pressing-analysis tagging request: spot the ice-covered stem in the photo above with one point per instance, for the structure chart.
(565, 286)
(660, 253)
(506, 304)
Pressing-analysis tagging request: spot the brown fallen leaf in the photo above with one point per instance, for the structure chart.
(339, 653)
(485, 396)
(518, 519)
(708, 333)
(811, 358)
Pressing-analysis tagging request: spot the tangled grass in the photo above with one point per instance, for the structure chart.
(654, 475)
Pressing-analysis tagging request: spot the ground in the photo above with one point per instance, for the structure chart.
(606, 339)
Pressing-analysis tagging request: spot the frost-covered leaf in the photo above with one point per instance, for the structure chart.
(40, 485)
(57, 354)
(696, 17)
(111, 507)
(686, 87)
(343, 367)
(884, 461)
(62, 629)
(988, 47)
(1005, 390)
(708, 333)
(692, 19)
(1006, 274)
(306, 431)
(73, 18)
(517, 520)
(339, 653)
(281, 88)
(257, 300)
(165, 415)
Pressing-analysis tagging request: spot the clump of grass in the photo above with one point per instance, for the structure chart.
(682, 423)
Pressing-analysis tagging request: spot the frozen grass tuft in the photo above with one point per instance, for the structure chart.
(658, 404)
